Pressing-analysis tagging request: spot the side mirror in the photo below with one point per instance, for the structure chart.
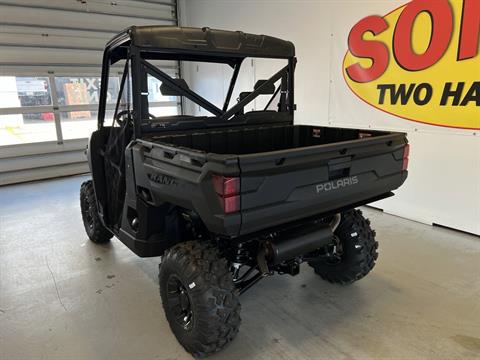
(170, 91)
(269, 90)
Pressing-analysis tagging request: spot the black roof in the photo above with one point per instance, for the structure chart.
(202, 42)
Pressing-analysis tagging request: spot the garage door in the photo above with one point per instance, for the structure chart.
(50, 64)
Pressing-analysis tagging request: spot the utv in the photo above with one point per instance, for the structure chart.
(230, 197)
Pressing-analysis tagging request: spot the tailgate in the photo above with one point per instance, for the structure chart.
(287, 185)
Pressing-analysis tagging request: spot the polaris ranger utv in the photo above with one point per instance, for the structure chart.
(228, 198)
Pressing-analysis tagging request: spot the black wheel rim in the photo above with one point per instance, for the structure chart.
(335, 253)
(88, 214)
(179, 302)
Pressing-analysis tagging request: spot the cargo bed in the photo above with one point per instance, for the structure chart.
(286, 172)
(260, 139)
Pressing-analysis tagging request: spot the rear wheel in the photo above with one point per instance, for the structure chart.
(354, 254)
(199, 298)
(91, 219)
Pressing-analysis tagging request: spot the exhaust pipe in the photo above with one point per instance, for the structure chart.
(300, 241)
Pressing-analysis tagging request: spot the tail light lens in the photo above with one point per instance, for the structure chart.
(231, 204)
(228, 189)
(406, 154)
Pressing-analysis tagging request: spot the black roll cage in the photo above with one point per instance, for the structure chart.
(140, 67)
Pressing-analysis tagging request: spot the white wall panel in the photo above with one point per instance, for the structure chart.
(131, 9)
(69, 19)
(443, 186)
(38, 55)
(37, 31)
(34, 38)
(43, 173)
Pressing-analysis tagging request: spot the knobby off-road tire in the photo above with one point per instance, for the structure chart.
(91, 219)
(199, 297)
(359, 251)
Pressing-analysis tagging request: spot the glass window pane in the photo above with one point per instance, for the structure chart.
(164, 111)
(154, 93)
(78, 124)
(18, 91)
(84, 90)
(155, 96)
(27, 128)
(81, 124)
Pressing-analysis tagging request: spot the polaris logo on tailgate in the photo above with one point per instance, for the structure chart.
(337, 184)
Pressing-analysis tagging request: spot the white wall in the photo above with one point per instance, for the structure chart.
(444, 181)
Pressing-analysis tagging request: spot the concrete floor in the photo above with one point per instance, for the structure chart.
(62, 297)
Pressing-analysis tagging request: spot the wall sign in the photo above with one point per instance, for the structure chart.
(420, 62)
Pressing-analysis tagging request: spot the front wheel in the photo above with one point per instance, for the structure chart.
(91, 219)
(354, 254)
(199, 297)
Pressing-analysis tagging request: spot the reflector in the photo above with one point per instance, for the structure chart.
(231, 204)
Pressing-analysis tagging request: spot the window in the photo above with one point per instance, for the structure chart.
(21, 91)
(154, 93)
(27, 128)
(81, 124)
(84, 90)
(82, 93)
(160, 105)
(28, 109)
(22, 100)
(222, 90)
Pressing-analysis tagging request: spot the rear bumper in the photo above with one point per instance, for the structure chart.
(306, 204)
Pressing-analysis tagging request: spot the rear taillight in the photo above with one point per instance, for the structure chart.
(228, 189)
(231, 204)
(406, 153)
